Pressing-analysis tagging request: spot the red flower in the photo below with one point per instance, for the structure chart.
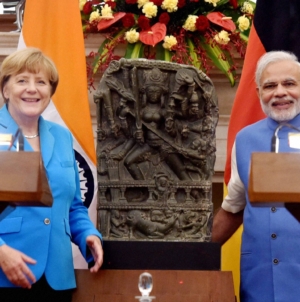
(164, 18)
(156, 34)
(103, 23)
(131, 1)
(157, 2)
(234, 3)
(96, 1)
(128, 20)
(143, 22)
(202, 23)
(220, 19)
(88, 7)
(181, 3)
(112, 4)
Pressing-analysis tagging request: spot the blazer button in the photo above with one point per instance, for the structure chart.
(275, 261)
(273, 209)
(46, 221)
(273, 236)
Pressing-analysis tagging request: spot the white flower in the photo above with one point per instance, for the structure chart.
(213, 2)
(170, 5)
(95, 16)
(190, 23)
(81, 4)
(243, 22)
(247, 8)
(169, 42)
(150, 10)
(222, 37)
(141, 3)
(106, 12)
(132, 36)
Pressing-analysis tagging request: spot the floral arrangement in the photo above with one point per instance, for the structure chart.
(202, 33)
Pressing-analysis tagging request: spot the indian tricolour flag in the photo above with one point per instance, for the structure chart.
(55, 28)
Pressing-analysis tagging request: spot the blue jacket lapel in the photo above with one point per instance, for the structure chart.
(46, 140)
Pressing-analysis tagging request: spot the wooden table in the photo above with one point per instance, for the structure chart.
(168, 286)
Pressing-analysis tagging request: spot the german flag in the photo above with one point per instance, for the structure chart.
(55, 28)
(276, 26)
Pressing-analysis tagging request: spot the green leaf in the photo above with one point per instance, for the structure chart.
(102, 51)
(192, 53)
(244, 37)
(215, 53)
(222, 2)
(162, 53)
(134, 50)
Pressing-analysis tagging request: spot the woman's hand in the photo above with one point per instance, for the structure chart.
(95, 246)
(13, 264)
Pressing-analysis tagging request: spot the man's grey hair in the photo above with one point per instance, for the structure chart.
(272, 57)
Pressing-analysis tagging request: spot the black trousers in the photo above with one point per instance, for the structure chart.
(39, 292)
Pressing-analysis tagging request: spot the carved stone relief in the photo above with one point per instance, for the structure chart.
(156, 146)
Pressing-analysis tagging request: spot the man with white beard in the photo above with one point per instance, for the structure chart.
(270, 252)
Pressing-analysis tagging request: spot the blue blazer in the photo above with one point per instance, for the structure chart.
(28, 230)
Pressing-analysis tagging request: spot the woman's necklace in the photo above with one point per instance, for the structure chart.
(31, 136)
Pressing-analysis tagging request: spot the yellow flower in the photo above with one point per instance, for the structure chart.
(150, 10)
(213, 2)
(132, 36)
(247, 8)
(190, 23)
(95, 16)
(170, 5)
(222, 37)
(81, 4)
(243, 22)
(106, 12)
(142, 3)
(169, 42)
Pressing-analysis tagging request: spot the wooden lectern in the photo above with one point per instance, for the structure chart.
(23, 180)
(274, 177)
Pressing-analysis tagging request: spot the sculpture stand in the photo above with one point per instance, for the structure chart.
(180, 271)
(157, 255)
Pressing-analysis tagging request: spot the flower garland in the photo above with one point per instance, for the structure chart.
(202, 33)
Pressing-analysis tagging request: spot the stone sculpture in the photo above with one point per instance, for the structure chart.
(156, 146)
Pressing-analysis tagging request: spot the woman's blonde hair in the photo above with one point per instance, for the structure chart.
(28, 59)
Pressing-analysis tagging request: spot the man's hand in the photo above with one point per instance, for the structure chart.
(13, 264)
(95, 246)
(225, 224)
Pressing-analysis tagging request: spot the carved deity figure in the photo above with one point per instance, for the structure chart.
(156, 126)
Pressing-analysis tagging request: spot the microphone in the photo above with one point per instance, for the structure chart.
(20, 143)
(275, 139)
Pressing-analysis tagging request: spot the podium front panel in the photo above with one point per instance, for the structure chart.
(168, 286)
